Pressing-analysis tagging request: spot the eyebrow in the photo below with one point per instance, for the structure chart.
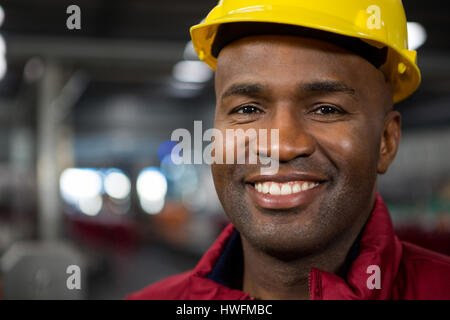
(327, 86)
(243, 89)
(255, 89)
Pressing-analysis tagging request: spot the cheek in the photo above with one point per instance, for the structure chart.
(216, 181)
(225, 147)
(352, 148)
(219, 177)
(221, 180)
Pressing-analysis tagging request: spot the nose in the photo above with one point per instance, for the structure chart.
(293, 138)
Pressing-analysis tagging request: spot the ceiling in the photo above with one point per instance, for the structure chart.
(143, 39)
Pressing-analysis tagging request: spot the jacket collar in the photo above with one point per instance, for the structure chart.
(378, 246)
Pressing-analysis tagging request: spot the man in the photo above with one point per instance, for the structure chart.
(325, 74)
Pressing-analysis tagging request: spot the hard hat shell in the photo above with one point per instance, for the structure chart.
(380, 23)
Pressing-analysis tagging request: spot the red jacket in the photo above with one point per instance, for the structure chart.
(407, 271)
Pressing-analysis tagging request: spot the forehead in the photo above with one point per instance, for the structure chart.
(286, 61)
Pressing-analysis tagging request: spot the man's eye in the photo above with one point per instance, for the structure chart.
(247, 110)
(327, 110)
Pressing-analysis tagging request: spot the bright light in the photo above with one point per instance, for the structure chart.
(152, 207)
(3, 67)
(76, 184)
(117, 185)
(417, 35)
(192, 72)
(91, 206)
(2, 15)
(152, 188)
(151, 184)
(2, 45)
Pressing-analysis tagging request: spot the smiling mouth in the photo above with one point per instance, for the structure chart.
(285, 191)
(285, 188)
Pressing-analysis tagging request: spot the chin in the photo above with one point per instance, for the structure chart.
(287, 241)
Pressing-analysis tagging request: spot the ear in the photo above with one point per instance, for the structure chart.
(390, 140)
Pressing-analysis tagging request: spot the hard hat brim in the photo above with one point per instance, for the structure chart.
(404, 84)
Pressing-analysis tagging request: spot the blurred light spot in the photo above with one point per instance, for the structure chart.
(192, 72)
(189, 180)
(185, 90)
(166, 149)
(3, 67)
(34, 69)
(187, 184)
(90, 206)
(152, 189)
(152, 207)
(3, 64)
(2, 15)
(189, 52)
(117, 185)
(2, 45)
(172, 171)
(417, 35)
(76, 184)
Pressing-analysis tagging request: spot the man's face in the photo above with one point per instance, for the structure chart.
(330, 108)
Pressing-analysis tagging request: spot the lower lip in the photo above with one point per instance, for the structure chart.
(288, 201)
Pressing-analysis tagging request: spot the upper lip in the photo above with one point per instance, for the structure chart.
(286, 177)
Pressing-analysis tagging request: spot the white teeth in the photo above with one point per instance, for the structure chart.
(286, 189)
(276, 188)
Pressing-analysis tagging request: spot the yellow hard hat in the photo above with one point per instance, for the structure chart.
(378, 23)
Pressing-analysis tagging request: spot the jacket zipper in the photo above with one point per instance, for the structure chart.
(309, 285)
(315, 285)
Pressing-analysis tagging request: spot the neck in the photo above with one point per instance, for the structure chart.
(269, 278)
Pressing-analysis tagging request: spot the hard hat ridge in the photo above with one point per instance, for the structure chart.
(380, 24)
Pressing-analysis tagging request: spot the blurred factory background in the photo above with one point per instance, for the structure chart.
(85, 120)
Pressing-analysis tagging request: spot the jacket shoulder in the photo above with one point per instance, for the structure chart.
(171, 288)
(423, 274)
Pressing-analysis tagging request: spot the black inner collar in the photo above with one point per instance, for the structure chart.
(228, 270)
